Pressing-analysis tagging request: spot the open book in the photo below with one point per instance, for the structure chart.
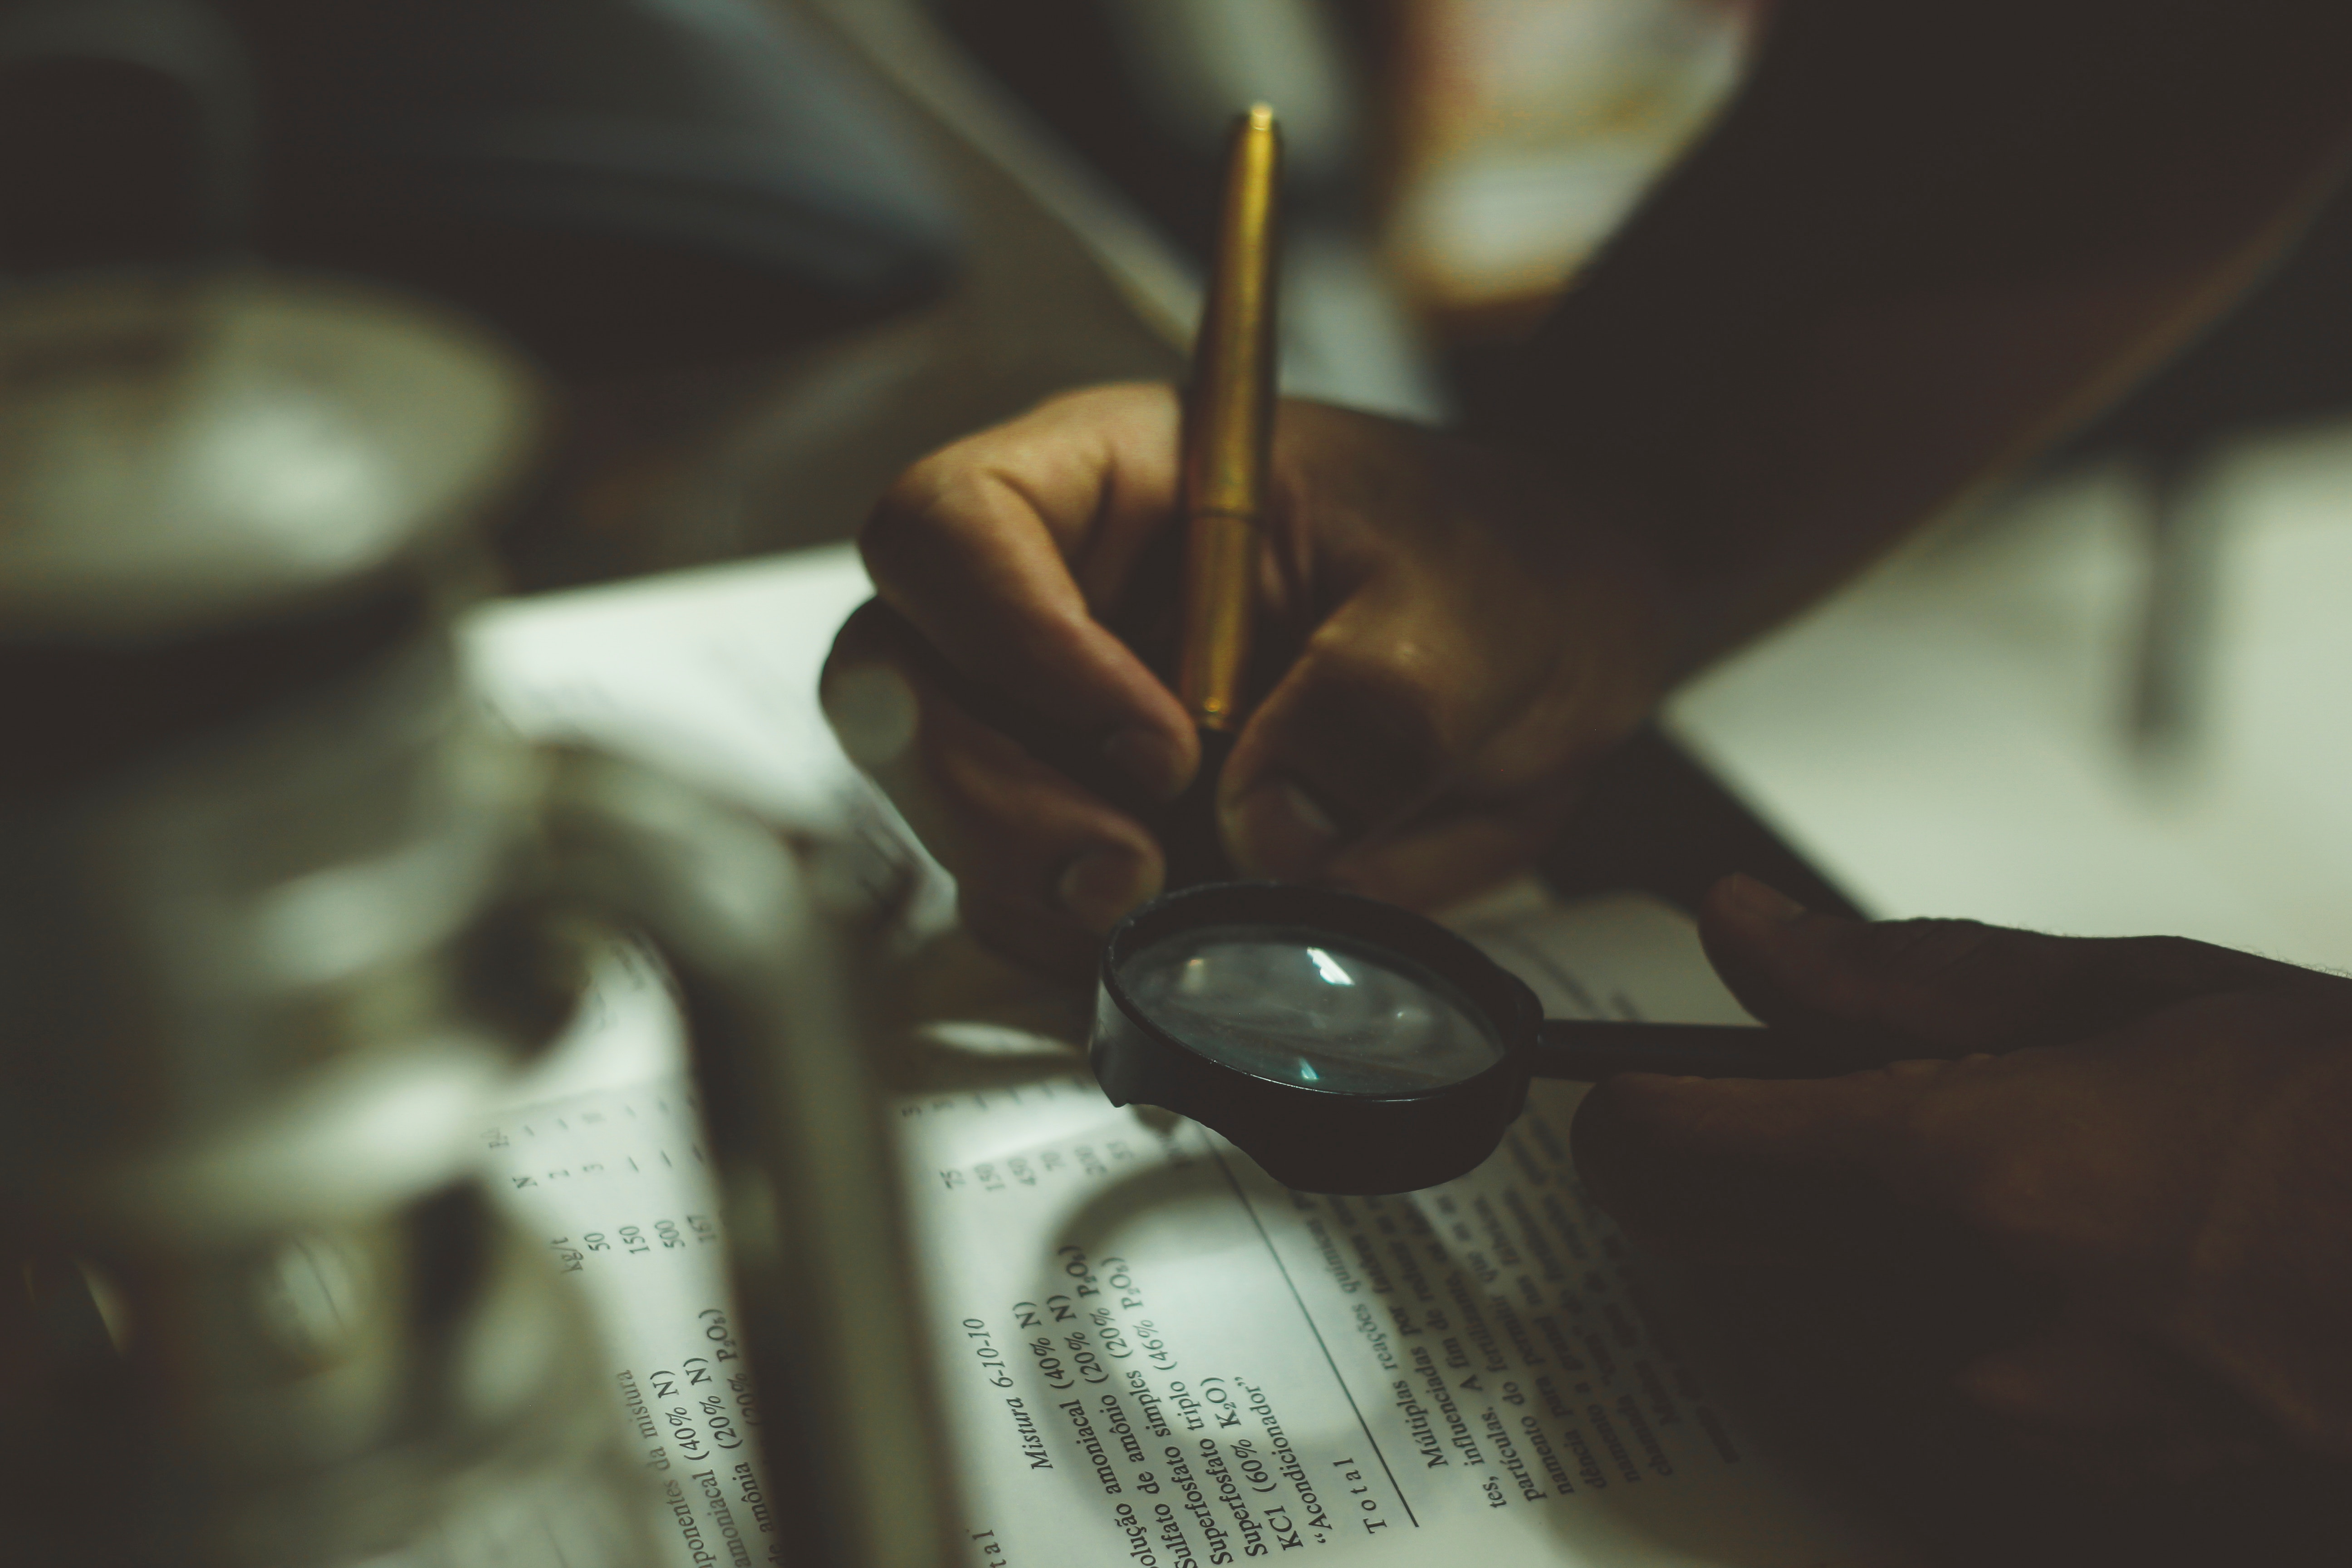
(1150, 1352)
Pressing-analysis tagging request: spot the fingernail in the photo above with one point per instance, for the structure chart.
(1100, 886)
(1152, 759)
(1278, 830)
(873, 713)
(1764, 905)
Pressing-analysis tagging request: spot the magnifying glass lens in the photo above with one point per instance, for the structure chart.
(1298, 1005)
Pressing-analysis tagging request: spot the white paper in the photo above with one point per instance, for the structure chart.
(1148, 1350)
(1155, 1354)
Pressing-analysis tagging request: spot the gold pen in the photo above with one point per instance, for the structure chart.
(1227, 441)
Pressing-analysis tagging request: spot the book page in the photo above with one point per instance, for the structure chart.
(1148, 1350)
(1156, 1353)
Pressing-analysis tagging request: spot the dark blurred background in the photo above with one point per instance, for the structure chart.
(770, 251)
(767, 252)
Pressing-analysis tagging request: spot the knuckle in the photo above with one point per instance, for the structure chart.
(1952, 1170)
(923, 510)
(2176, 965)
(1932, 950)
(1112, 397)
(1998, 1195)
(1996, 1185)
(1376, 731)
(1947, 973)
(894, 530)
(2174, 952)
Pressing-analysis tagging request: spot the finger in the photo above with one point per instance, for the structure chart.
(1735, 1169)
(1477, 662)
(1043, 866)
(1448, 856)
(1392, 693)
(1947, 987)
(1003, 550)
(2085, 1400)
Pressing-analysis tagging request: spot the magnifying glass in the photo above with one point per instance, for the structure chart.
(1352, 1046)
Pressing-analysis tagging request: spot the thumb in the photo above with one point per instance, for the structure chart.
(1944, 987)
(1725, 1166)
(1361, 731)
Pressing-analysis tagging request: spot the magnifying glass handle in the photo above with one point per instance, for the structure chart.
(1589, 1050)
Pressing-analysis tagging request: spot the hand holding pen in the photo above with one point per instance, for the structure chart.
(1444, 638)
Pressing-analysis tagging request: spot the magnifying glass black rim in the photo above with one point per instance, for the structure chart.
(1309, 1137)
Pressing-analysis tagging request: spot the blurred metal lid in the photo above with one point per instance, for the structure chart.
(182, 451)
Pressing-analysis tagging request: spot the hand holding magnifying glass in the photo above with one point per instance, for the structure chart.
(1349, 1045)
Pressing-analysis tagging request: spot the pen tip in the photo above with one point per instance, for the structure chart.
(1261, 116)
